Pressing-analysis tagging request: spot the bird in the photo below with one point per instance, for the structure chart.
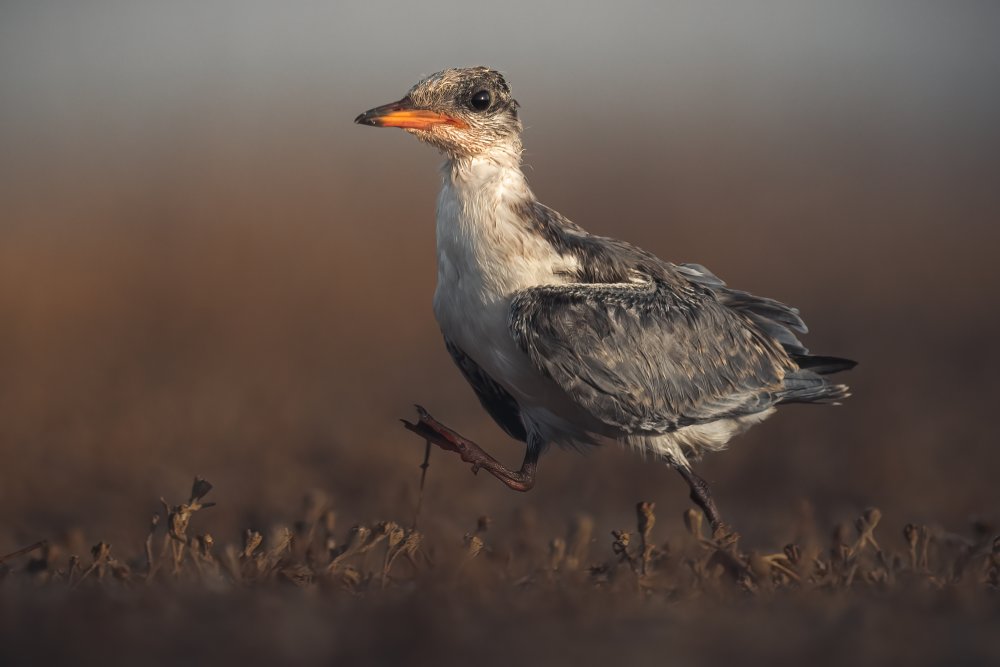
(580, 340)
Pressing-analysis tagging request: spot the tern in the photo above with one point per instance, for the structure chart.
(576, 339)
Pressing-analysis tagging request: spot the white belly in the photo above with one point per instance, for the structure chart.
(478, 326)
(485, 256)
(481, 265)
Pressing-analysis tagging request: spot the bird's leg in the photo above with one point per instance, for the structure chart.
(434, 431)
(702, 496)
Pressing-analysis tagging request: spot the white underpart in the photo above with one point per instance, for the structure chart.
(486, 254)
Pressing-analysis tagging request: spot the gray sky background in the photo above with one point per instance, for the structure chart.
(66, 67)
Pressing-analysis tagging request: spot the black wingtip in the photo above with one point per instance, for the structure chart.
(824, 365)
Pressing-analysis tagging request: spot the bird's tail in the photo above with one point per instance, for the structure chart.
(823, 365)
(807, 385)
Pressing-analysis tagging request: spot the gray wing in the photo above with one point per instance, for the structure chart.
(608, 260)
(780, 322)
(652, 356)
(494, 398)
(777, 320)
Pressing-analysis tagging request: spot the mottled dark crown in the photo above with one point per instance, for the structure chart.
(460, 84)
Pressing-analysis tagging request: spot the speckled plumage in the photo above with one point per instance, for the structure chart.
(572, 338)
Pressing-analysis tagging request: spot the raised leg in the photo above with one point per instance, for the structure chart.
(702, 496)
(434, 431)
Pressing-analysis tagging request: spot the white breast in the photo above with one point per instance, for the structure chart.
(485, 255)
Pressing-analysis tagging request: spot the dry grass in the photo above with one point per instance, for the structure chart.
(639, 588)
(313, 552)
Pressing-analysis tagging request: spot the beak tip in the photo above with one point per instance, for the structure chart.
(363, 119)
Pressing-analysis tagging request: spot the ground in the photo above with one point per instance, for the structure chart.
(316, 592)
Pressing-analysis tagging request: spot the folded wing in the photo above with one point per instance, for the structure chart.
(651, 355)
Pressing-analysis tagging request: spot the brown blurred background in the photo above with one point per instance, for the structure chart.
(206, 268)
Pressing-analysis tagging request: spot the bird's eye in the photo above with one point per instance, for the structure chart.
(481, 100)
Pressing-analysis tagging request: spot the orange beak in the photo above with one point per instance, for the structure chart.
(406, 115)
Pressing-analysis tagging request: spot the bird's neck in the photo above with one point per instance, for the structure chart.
(484, 241)
(487, 185)
(503, 158)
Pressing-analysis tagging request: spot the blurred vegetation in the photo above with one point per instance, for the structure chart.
(636, 583)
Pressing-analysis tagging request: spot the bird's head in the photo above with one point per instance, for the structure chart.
(463, 112)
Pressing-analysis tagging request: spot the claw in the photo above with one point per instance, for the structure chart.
(434, 432)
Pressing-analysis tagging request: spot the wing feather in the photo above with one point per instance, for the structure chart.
(646, 345)
(649, 356)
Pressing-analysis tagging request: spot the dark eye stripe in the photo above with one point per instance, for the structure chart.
(481, 100)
